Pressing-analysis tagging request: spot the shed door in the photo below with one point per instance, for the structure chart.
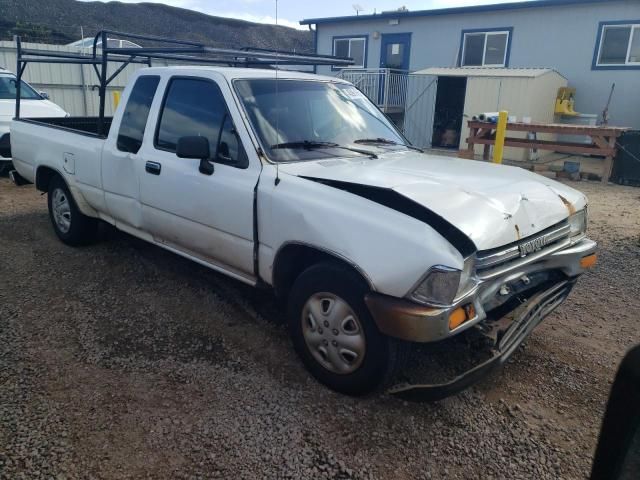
(483, 95)
(420, 108)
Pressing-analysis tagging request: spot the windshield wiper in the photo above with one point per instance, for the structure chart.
(385, 141)
(376, 140)
(312, 145)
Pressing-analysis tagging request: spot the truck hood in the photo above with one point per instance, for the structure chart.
(30, 109)
(493, 205)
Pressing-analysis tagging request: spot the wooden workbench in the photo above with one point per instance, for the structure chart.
(603, 140)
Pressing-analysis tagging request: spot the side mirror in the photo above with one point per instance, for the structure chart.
(196, 147)
(44, 95)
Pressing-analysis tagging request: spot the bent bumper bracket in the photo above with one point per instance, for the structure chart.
(507, 333)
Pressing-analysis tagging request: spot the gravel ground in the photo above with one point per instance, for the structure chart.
(121, 360)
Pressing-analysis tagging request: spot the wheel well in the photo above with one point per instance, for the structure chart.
(293, 259)
(43, 178)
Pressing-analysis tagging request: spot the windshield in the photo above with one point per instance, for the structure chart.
(306, 120)
(8, 89)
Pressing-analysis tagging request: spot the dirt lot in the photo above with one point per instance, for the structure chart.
(121, 360)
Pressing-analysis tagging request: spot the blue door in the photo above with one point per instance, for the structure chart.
(394, 51)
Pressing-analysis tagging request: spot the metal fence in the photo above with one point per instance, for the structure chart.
(386, 87)
(411, 96)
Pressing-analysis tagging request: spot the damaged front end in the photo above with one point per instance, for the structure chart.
(515, 289)
(502, 337)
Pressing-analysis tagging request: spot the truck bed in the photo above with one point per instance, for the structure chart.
(35, 144)
(82, 125)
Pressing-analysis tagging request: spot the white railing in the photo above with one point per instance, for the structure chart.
(385, 87)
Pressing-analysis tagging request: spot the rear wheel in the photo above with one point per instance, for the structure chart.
(69, 223)
(334, 333)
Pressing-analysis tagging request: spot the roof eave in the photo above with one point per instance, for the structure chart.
(449, 11)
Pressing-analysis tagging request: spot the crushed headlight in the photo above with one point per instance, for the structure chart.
(438, 287)
(578, 224)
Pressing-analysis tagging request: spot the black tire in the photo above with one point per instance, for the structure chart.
(382, 356)
(81, 229)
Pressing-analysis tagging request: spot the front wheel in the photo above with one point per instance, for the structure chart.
(69, 223)
(334, 333)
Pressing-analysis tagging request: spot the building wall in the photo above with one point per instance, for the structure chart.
(559, 37)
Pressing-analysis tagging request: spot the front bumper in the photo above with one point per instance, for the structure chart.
(506, 334)
(410, 321)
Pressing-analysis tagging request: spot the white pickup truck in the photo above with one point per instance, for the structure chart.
(299, 183)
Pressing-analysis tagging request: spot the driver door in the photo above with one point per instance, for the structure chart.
(206, 216)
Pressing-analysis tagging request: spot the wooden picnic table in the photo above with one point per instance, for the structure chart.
(603, 140)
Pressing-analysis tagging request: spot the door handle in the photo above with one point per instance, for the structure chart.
(153, 168)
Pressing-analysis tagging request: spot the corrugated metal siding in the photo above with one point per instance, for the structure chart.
(485, 72)
(521, 97)
(420, 109)
(73, 87)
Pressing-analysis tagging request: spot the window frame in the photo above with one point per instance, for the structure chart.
(241, 163)
(350, 38)
(486, 32)
(596, 65)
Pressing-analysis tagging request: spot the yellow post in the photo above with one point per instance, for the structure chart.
(116, 99)
(501, 131)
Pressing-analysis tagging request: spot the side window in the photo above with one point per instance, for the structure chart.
(191, 107)
(134, 118)
(196, 107)
(489, 48)
(619, 45)
(355, 48)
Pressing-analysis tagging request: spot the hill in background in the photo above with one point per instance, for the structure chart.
(59, 22)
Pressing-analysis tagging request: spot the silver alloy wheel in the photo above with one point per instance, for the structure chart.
(333, 333)
(61, 210)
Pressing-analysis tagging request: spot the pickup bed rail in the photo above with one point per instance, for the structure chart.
(81, 125)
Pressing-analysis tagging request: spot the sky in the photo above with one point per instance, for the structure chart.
(290, 12)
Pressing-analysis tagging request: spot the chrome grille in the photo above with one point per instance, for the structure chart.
(490, 263)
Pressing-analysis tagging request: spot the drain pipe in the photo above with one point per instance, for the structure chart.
(315, 44)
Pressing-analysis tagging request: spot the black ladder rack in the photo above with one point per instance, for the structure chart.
(166, 49)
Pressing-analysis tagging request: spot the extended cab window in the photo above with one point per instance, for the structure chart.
(134, 118)
(197, 107)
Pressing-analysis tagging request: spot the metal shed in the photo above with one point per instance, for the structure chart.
(441, 100)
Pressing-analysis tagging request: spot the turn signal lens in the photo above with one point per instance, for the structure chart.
(457, 318)
(461, 315)
(588, 261)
